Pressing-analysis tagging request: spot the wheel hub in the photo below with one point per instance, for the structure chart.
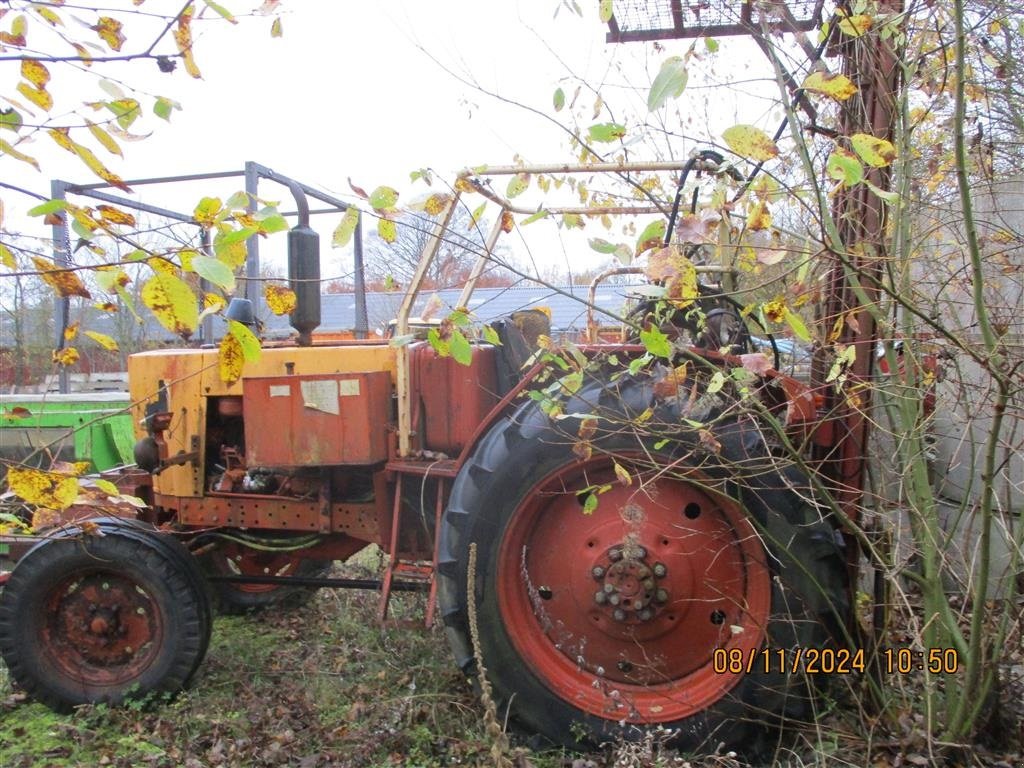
(629, 587)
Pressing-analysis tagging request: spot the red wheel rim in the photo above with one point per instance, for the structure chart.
(101, 628)
(233, 559)
(682, 573)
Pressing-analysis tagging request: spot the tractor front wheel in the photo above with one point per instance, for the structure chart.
(103, 616)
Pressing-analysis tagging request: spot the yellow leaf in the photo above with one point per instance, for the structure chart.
(347, 225)
(104, 139)
(183, 39)
(775, 310)
(838, 87)
(856, 25)
(67, 356)
(280, 299)
(387, 230)
(750, 142)
(517, 185)
(107, 487)
(7, 149)
(276, 29)
(213, 301)
(109, 30)
(230, 359)
(64, 281)
(62, 137)
(436, 203)
(35, 72)
(70, 332)
(38, 96)
(102, 339)
(172, 303)
(44, 489)
(206, 211)
(759, 217)
(111, 215)
(7, 258)
(622, 474)
(51, 18)
(873, 151)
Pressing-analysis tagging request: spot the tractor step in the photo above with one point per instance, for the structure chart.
(414, 571)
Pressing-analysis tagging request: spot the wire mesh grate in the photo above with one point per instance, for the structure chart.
(666, 19)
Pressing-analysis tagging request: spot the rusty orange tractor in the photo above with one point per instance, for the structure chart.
(637, 550)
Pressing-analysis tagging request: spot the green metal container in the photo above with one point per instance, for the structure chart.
(89, 426)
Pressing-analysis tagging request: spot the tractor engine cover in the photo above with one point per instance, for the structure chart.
(317, 420)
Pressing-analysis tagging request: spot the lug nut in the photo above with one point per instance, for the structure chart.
(638, 604)
(615, 554)
(645, 614)
(609, 588)
(641, 553)
(643, 572)
(614, 599)
(597, 572)
(619, 615)
(661, 595)
(660, 570)
(600, 597)
(648, 584)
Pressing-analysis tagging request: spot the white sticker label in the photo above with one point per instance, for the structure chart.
(348, 387)
(280, 390)
(321, 396)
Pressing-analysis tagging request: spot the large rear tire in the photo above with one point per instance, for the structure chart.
(595, 625)
(89, 618)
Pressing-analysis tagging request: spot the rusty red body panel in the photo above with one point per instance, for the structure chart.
(315, 421)
(454, 399)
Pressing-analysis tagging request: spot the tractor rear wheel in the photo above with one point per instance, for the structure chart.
(102, 618)
(599, 622)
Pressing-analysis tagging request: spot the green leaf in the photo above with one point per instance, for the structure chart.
(517, 185)
(652, 237)
(347, 225)
(656, 342)
(238, 201)
(636, 364)
(250, 343)
(163, 107)
(214, 270)
(606, 132)
(541, 214)
(275, 222)
(889, 197)
(711, 44)
(843, 166)
(559, 99)
(50, 206)
(797, 325)
(383, 198)
(491, 336)
(460, 348)
(590, 504)
(670, 83)
(716, 383)
(459, 318)
(601, 246)
(221, 10)
(10, 119)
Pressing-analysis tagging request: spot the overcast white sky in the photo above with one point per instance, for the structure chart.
(350, 90)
